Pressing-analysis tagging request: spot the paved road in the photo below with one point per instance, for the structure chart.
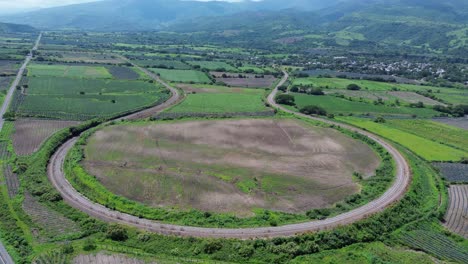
(77, 200)
(15, 83)
(4, 256)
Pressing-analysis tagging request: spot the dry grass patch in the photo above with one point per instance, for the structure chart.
(229, 165)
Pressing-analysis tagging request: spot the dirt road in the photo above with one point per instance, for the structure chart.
(77, 200)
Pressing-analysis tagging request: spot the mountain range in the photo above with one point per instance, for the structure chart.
(122, 15)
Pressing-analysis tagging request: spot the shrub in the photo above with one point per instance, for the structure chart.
(353, 87)
(313, 110)
(380, 120)
(117, 233)
(89, 245)
(285, 99)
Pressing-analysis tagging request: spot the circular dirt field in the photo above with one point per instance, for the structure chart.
(229, 165)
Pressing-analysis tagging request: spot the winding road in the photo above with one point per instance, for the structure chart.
(80, 202)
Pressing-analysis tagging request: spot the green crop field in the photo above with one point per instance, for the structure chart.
(449, 95)
(342, 106)
(421, 144)
(213, 65)
(219, 103)
(85, 98)
(445, 134)
(69, 71)
(182, 75)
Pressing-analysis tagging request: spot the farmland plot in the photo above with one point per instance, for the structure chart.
(230, 166)
(436, 244)
(413, 97)
(163, 64)
(182, 75)
(247, 80)
(457, 122)
(457, 214)
(53, 223)
(44, 70)
(31, 133)
(12, 181)
(8, 67)
(82, 57)
(454, 172)
(123, 73)
(85, 98)
(213, 65)
(5, 83)
(105, 258)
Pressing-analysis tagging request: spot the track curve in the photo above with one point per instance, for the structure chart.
(80, 202)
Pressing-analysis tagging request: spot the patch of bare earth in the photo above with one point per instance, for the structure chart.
(229, 165)
(412, 97)
(456, 218)
(31, 133)
(247, 80)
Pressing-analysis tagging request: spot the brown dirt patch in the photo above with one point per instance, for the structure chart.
(31, 133)
(229, 165)
(412, 97)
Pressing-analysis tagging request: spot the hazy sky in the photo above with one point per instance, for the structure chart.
(8, 6)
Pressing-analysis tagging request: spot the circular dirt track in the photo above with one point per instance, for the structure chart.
(77, 200)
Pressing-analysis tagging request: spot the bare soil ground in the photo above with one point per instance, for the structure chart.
(249, 80)
(457, 214)
(31, 133)
(458, 122)
(229, 165)
(412, 97)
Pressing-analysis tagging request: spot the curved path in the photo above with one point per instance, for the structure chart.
(77, 200)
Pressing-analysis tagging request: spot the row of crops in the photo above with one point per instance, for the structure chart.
(458, 210)
(435, 244)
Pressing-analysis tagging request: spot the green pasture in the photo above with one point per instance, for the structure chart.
(184, 76)
(337, 105)
(419, 142)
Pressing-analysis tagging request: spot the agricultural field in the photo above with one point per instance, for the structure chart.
(162, 63)
(184, 76)
(343, 106)
(232, 163)
(123, 73)
(70, 71)
(424, 147)
(456, 122)
(361, 253)
(213, 65)
(85, 98)
(453, 172)
(448, 135)
(436, 244)
(449, 95)
(220, 102)
(247, 80)
(51, 223)
(8, 67)
(11, 180)
(5, 83)
(456, 218)
(29, 134)
(81, 57)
